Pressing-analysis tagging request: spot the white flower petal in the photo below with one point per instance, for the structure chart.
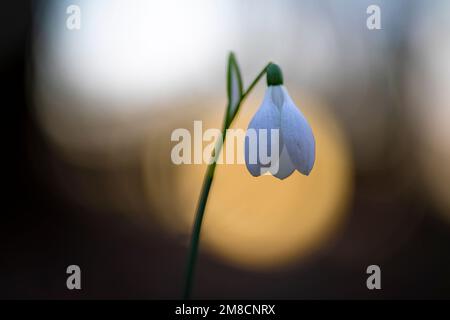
(267, 117)
(297, 136)
(285, 165)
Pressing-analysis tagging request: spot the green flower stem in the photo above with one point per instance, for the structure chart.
(206, 187)
(246, 92)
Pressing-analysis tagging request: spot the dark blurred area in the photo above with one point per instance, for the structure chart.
(76, 204)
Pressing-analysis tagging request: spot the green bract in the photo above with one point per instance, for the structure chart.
(274, 75)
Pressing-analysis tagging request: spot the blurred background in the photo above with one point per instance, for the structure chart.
(88, 116)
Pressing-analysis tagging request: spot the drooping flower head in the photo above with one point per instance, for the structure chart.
(279, 139)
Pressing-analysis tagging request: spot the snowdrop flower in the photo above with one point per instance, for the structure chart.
(279, 139)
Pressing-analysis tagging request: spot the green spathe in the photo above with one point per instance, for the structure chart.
(274, 75)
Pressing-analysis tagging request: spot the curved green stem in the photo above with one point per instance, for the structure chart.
(249, 89)
(206, 187)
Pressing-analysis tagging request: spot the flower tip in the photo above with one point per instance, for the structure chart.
(274, 75)
(306, 172)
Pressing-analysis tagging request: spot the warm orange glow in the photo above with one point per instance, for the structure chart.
(264, 222)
